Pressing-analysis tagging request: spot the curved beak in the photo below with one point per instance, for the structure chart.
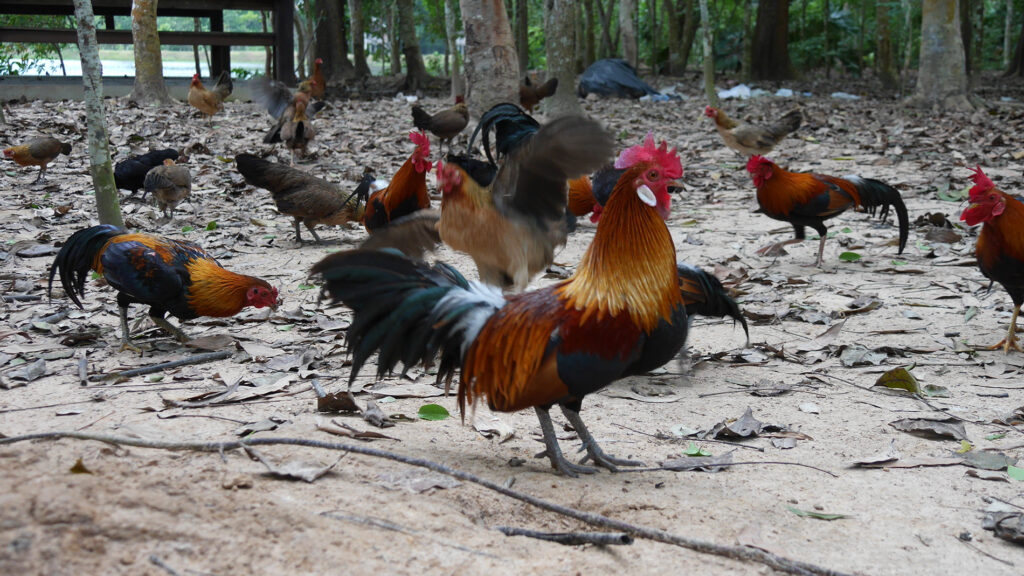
(677, 186)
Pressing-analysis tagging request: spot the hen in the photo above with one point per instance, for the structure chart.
(130, 174)
(294, 127)
(622, 313)
(748, 139)
(37, 152)
(407, 191)
(805, 199)
(319, 81)
(209, 102)
(446, 124)
(1000, 248)
(530, 94)
(308, 199)
(170, 276)
(170, 184)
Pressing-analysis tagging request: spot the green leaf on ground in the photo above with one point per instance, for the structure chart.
(694, 450)
(432, 412)
(187, 229)
(211, 226)
(899, 379)
(1015, 473)
(849, 256)
(817, 515)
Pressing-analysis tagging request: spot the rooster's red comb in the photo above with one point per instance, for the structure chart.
(649, 152)
(982, 183)
(420, 139)
(756, 162)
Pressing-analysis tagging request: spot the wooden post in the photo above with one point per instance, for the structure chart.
(108, 22)
(220, 56)
(284, 43)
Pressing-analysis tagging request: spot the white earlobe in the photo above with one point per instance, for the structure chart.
(646, 195)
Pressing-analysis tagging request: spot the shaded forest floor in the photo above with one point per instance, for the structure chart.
(145, 511)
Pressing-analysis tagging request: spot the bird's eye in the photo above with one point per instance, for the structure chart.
(652, 175)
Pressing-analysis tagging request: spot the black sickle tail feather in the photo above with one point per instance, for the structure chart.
(421, 118)
(512, 125)
(407, 311)
(704, 294)
(74, 261)
(874, 193)
(788, 124)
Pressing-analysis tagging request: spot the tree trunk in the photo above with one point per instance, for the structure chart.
(1008, 34)
(523, 35)
(149, 86)
(675, 37)
(331, 44)
(689, 31)
(942, 76)
(771, 41)
(558, 44)
(652, 25)
(394, 46)
(979, 36)
(748, 40)
(965, 34)
(884, 62)
(300, 36)
(627, 31)
(579, 43)
(863, 9)
(416, 75)
(107, 206)
(605, 16)
(451, 28)
(709, 54)
(268, 62)
(355, 13)
(589, 51)
(908, 33)
(1017, 64)
(492, 69)
(196, 27)
(826, 18)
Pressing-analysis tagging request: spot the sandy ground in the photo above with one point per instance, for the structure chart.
(146, 511)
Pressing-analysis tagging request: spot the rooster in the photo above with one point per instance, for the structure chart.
(293, 127)
(1000, 249)
(318, 80)
(170, 276)
(446, 124)
(748, 139)
(209, 102)
(805, 199)
(130, 174)
(407, 191)
(622, 313)
(308, 199)
(170, 184)
(530, 94)
(37, 152)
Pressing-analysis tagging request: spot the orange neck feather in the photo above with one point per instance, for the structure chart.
(631, 264)
(215, 291)
(1004, 232)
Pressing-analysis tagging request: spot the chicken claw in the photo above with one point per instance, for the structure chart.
(594, 451)
(553, 452)
(1011, 336)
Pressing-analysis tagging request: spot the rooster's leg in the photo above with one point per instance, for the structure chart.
(298, 237)
(1011, 335)
(41, 177)
(125, 344)
(821, 250)
(594, 451)
(171, 328)
(313, 232)
(553, 452)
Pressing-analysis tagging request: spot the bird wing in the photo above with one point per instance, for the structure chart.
(413, 235)
(142, 272)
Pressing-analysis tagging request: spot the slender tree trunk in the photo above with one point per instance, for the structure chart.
(908, 33)
(300, 36)
(149, 86)
(393, 43)
(355, 12)
(979, 37)
(689, 31)
(451, 27)
(60, 54)
(523, 35)
(589, 51)
(863, 9)
(675, 36)
(580, 43)
(652, 24)
(492, 68)
(107, 206)
(1017, 64)
(627, 31)
(884, 62)
(197, 27)
(268, 62)
(558, 28)
(416, 75)
(709, 54)
(942, 76)
(748, 40)
(771, 41)
(605, 16)
(826, 18)
(1008, 34)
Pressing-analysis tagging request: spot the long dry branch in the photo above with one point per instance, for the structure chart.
(741, 553)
